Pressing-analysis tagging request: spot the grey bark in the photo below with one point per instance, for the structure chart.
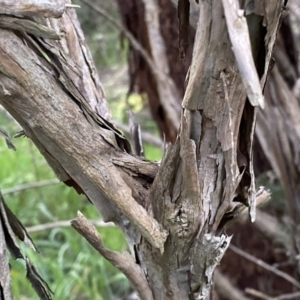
(172, 213)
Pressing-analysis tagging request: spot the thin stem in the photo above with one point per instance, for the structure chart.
(264, 265)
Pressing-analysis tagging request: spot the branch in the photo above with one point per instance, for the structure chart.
(134, 42)
(41, 8)
(8, 141)
(241, 46)
(146, 136)
(124, 262)
(28, 26)
(263, 296)
(59, 111)
(5, 280)
(226, 288)
(194, 12)
(31, 185)
(288, 296)
(135, 132)
(66, 223)
(270, 226)
(258, 294)
(264, 265)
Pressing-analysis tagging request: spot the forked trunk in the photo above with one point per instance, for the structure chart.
(173, 214)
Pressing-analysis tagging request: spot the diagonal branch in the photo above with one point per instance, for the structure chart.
(41, 8)
(124, 262)
(134, 42)
(66, 223)
(146, 136)
(48, 95)
(31, 185)
(260, 295)
(226, 288)
(264, 265)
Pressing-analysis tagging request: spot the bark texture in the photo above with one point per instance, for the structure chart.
(172, 213)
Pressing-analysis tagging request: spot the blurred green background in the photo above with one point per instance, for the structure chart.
(71, 267)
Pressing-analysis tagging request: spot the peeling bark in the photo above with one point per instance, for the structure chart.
(172, 213)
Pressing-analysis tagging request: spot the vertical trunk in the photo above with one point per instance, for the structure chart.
(210, 165)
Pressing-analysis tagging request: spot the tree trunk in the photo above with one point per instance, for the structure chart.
(172, 214)
(142, 78)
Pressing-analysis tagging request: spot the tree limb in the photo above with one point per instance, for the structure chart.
(258, 294)
(134, 42)
(41, 8)
(226, 288)
(66, 223)
(68, 130)
(264, 265)
(31, 185)
(263, 296)
(124, 262)
(146, 136)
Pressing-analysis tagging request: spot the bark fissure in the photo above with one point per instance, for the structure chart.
(171, 212)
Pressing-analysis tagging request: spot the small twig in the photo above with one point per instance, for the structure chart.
(263, 296)
(226, 288)
(48, 9)
(27, 186)
(66, 223)
(135, 132)
(134, 42)
(167, 90)
(124, 262)
(227, 100)
(146, 136)
(239, 36)
(272, 228)
(240, 209)
(289, 296)
(264, 265)
(258, 294)
(72, 6)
